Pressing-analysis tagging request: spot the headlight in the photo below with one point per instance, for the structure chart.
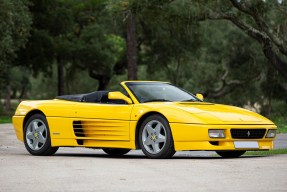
(271, 133)
(216, 133)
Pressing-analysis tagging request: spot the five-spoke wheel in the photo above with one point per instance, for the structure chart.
(36, 134)
(37, 137)
(156, 138)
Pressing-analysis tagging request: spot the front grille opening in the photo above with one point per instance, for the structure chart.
(248, 133)
(214, 142)
(78, 130)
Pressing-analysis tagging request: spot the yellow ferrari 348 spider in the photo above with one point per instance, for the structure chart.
(156, 117)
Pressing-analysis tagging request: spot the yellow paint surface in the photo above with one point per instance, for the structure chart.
(114, 125)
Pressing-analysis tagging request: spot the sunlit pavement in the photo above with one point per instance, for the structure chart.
(79, 169)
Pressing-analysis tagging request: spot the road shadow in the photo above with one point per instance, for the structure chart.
(130, 155)
(135, 156)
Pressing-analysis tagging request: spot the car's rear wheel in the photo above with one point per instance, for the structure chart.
(37, 136)
(155, 138)
(116, 152)
(230, 154)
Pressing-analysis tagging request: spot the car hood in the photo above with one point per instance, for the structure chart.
(221, 114)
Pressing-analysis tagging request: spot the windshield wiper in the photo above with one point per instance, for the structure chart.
(155, 100)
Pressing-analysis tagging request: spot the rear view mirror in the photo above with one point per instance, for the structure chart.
(119, 96)
(199, 96)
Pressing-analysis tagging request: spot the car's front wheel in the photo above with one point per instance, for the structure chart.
(230, 154)
(155, 138)
(116, 152)
(37, 136)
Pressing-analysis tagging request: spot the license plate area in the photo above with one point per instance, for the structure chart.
(246, 145)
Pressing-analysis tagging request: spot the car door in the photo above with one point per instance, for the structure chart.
(102, 121)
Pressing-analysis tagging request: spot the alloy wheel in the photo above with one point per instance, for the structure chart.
(154, 136)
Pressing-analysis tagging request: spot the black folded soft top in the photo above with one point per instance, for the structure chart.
(94, 97)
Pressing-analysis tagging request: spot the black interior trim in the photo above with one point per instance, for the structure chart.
(94, 97)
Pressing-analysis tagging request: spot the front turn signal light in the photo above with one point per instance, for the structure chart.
(271, 133)
(216, 133)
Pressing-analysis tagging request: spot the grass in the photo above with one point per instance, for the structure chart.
(264, 153)
(6, 116)
(5, 119)
(281, 123)
(267, 153)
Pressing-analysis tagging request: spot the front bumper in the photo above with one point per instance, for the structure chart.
(18, 126)
(195, 137)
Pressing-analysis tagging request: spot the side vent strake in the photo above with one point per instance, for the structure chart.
(78, 130)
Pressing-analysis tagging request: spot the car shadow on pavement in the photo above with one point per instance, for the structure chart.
(133, 156)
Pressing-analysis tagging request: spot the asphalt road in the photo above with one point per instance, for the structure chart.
(78, 169)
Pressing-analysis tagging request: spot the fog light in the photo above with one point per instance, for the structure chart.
(216, 133)
(271, 133)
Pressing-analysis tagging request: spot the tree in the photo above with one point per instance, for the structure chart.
(131, 45)
(235, 67)
(262, 20)
(52, 21)
(126, 10)
(98, 47)
(15, 21)
(165, 43)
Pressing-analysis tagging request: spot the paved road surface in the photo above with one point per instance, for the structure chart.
(78, 169)
(281, 141)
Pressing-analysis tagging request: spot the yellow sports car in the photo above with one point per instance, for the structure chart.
(156, 117)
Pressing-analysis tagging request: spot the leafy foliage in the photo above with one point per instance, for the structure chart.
(14, 30)
(231, 51)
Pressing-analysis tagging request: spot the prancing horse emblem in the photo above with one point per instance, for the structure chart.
(248, 133)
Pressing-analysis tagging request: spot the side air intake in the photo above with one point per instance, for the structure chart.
(78, 130)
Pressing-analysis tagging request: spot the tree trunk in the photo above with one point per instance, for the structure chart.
(102, 79)
(24, 87)
(274, 59)
(131, 46)
(103, 82)
(61, 82)
(8, 99)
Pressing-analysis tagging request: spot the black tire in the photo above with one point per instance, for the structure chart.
(230, 154)
(156, 143)
(116, 152)
(38, 142)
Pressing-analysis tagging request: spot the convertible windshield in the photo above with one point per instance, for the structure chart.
(164, 92)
